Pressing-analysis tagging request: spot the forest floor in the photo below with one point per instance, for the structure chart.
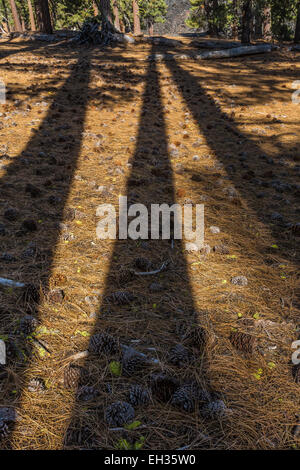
(83, 126)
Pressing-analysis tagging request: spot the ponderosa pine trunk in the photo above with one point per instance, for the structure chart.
(211, 7)
(31, 16)
(297, 31)
(122, 26)
(235, 25)
(104, 7)
(151, 29)
(246, 21)
(95, 8)
(16, 18)
(43, 16)
(5, 23)
(136, 18)
(116, 15)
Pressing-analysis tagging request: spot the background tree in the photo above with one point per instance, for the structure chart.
(95, 8)
(43, 16)
(267, 21)
(246, 21)
(152, 11)
(116, 15)
(217, 16)
(5, 16)
(284, 15)
(107, 25)
(136, 18)
(71, 13)
(297, 30)
(15, 15)
(31, 15)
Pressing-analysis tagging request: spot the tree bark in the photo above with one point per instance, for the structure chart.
(151, 29)
(136, 18)
(297, 31)
(31, 16)
(15, 14)
(116, 15)
(246, 21)
(43, 16)
(235, 26)
(95, 7)
(122, 26)
(267, 25)
(210, 7)
(104, 7)
(5, 23)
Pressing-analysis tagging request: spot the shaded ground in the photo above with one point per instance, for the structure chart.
(81, 127)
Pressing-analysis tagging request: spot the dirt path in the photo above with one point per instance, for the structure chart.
(82, 127)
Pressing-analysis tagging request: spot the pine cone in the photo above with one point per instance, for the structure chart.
(179, 355)
(28, 324)
(139, 395)
(4, 430)
(11, 349)
(119, 413)
(143, 264)
(193, 335)
(163, 386)
(214, 409)
(87, 393)
(186, 396)
(73, 375)
(132, 362)
(31, 294)
(103, 343)
(243, 341)
(124, 276)
(36, 385)
(296, 373)
(78, 436)
(120, 298)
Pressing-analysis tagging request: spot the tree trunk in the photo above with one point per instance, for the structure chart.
(211, 7)
(122, 26)
(151, 29)
(136, 18)
(31, 16)
(267, 25)
(297, 32)
(116, 15)
(43, 16)
(23, 24)
(235, 26)
(246, 21)
(104, 7)
(5, 23)
(95, 7)
(15, 14)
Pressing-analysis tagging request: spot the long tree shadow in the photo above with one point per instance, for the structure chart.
(253, 173)
(143, 313)
(34, 192)
(16, 49)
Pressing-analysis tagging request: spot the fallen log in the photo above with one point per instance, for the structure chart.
(215, 44)
(161, 41)
(220, 54)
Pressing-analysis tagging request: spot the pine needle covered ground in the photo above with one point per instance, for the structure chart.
(82, 126)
